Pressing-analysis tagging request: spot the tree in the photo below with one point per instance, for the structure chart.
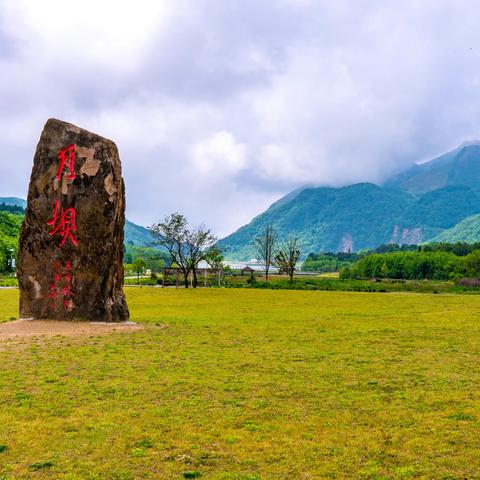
(264, 246)
(186, 247)
(9, 230)
(286, 257)
(139, 265)
(215, 257)
(473, 263)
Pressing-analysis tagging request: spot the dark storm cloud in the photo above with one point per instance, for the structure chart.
(220, 107)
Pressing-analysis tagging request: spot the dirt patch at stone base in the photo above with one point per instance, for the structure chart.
(19, 329)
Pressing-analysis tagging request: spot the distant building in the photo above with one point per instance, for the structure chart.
(247, 270)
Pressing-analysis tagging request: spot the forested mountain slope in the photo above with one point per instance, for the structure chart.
(413, 207)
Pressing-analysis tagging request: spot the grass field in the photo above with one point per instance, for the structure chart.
(236, 384)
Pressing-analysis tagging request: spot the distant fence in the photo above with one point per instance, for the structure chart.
(469, 282)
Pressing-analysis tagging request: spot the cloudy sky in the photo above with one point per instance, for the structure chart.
(219, 107)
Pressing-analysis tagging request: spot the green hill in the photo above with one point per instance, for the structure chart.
(13, 201)
(468, 230)
(137, 235)
(357, 217)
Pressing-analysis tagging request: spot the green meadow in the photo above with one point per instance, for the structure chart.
(250, 384)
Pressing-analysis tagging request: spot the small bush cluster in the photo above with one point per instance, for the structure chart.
(8, 282)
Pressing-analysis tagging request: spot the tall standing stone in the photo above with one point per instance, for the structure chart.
(70, 264)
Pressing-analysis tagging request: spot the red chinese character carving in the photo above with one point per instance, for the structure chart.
(67, 290)
(56, 290)
(63, 224)
(53, 288)
(67, 158)
(53, 291)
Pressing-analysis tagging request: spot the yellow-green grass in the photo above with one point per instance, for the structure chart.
(235, 384)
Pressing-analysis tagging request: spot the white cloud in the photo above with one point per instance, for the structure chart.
(218, 156)
(109, 32)
(220, 107)
(277, 163)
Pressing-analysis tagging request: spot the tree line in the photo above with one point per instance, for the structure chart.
(337, 261)
(423, 264)
(4, 207)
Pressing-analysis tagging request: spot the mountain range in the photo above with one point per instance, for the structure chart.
(435, 201)
(438, 200)
(13, 202)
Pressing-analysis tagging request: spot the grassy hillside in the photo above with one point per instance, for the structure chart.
(357, 217)
(468, 230)
(250, 385)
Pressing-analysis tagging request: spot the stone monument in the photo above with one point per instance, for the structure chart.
(70, 259)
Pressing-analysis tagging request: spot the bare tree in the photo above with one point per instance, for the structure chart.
(264, 246)
(286, 257)
(186, 247)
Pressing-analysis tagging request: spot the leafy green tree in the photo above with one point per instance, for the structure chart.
(286, 257)
(9, 231)
(139, 266)
(472, 261)
(214, 257)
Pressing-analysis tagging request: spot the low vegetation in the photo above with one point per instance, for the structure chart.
(249, 385)
(334, 283)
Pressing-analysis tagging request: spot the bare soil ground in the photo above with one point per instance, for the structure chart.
(33, 328)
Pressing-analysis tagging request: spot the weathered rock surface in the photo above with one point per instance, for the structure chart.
(70, 264)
